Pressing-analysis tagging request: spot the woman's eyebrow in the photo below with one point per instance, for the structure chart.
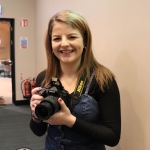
(73, 33)
(57, 35)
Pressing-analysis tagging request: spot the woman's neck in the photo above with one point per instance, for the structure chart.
(69, 77)
(69, 70)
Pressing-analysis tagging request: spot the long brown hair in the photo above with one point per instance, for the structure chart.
(88, 62)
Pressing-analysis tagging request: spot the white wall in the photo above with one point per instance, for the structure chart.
(121, 41)
(24, 59)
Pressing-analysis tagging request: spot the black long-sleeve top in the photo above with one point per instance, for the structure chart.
(109, 131)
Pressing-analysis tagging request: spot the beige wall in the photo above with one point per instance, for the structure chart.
(24, 59)
(121, 41)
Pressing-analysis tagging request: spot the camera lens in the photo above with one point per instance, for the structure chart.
(47, 107)
(44, 110)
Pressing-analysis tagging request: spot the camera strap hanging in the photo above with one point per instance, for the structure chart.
(75, 98)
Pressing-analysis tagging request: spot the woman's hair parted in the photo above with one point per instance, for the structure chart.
(88, 62)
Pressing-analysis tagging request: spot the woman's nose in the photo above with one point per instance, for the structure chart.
(64, 42)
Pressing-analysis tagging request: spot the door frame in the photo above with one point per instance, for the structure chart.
(12, 54)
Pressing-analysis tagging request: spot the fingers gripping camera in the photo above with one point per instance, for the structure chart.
(49, 105)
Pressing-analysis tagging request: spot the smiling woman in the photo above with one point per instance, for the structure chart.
(92, 102)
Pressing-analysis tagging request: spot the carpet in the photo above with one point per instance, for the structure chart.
(15, 132)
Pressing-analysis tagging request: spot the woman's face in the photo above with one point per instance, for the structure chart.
(67, 43)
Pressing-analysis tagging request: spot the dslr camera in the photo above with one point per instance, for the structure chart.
(49, 105)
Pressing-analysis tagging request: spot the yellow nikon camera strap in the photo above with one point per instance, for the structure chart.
(75, 98)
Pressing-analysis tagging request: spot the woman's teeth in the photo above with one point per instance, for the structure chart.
(66, 51)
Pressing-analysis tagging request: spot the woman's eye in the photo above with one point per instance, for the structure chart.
(56, 39)
(72, 37)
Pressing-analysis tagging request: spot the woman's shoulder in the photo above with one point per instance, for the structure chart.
(94, 87)
(110, 83)
(96, 91)
(40, 77)
(104, 77)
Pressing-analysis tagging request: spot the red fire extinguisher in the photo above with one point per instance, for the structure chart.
(33, 84)
(27, 88)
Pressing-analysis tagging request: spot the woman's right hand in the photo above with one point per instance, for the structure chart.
(35, 99)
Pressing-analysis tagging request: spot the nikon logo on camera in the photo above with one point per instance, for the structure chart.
(80, 86)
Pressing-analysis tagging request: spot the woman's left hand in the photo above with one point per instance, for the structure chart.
(63, 116)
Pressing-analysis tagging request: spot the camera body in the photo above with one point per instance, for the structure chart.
(49, 105)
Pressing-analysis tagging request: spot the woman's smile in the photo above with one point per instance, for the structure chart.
(66, 51)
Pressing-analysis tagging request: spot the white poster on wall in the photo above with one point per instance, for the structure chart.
(23, 43)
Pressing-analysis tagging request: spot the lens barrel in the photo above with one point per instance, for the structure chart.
(47, 108)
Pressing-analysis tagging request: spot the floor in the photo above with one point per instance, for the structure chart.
(5, 90)
(15, 132)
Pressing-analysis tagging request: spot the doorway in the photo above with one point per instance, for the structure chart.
(7, 60)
